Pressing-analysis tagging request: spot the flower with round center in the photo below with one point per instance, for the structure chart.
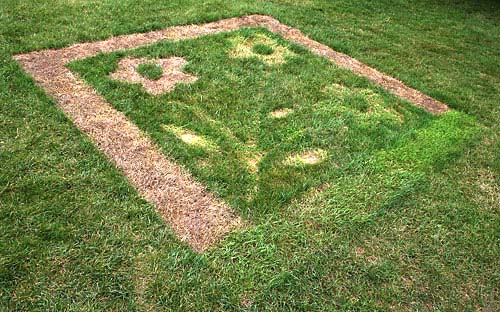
(172, 73)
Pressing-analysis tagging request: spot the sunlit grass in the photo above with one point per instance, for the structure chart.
(402, 214)
(150, 70)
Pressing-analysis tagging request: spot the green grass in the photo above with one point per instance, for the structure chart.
(230, 105)
(262, 49)
(150, 71)
(403, 214)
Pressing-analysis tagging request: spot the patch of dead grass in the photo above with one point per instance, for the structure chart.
(191, 138)
(253, 162)
(281, 113)
(307, 158)
(243, 48)
(172, 73)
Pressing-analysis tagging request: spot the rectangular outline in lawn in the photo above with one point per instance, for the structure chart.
(195, 215)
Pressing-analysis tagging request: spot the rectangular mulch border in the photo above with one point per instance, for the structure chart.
(197, 216)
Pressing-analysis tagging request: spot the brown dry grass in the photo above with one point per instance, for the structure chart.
(191, 138)
(281, 113)
(172, 73)
(242, 48)
(307, 158)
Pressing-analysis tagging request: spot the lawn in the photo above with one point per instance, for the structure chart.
(353, 199)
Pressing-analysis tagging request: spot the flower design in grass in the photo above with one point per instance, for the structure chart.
(171, 75)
